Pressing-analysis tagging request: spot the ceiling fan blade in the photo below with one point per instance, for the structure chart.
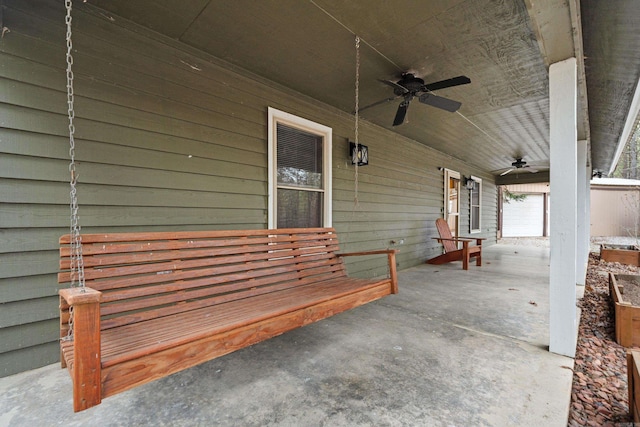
(455, 81)
(532, 170)
(440, 102)
(375, 104)
(401, 113)
(401, 89)
(507, 171)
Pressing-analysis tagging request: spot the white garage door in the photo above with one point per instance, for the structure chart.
(525, 218)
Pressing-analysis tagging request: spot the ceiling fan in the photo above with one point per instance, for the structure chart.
(519, 164)
(409, 86)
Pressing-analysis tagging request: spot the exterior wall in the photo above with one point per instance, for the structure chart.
(615, 211)
(540, 187)
(168, 138)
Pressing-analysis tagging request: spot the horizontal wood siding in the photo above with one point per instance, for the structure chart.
(170, 139)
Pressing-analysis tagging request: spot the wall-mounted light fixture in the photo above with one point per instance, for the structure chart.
(359, 154)
(469, 183)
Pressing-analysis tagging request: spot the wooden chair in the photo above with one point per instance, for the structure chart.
(451, 250)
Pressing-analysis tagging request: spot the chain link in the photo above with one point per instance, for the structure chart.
(357, 118)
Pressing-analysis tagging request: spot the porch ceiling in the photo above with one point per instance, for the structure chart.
(505, 47)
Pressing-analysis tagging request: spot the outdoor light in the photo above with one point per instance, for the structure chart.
(469, 183)
(359, 154)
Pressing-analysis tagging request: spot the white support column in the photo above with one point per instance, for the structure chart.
(582, 217)
(563, 84)
(588, 216)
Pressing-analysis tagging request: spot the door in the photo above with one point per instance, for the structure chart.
(452, 200)
(524, 218)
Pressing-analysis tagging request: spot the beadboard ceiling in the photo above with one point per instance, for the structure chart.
(504, 46)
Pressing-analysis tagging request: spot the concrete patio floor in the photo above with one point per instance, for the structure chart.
(453, 348)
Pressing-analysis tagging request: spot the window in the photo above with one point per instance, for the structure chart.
(475, 206)
(299, 172)
(452, 200)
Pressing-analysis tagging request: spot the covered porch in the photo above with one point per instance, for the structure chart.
(453, 347)
(174, 129)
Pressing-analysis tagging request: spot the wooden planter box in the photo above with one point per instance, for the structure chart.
(633, 361)
(620, 253)
(627, 316)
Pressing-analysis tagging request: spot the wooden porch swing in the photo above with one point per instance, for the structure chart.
(141, 306)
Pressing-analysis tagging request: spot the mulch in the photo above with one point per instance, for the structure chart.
(599, 395)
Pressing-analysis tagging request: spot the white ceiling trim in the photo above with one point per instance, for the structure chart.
(632, 120)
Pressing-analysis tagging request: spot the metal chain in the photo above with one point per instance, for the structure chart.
(357, 118)
(357, 130)
(77, 263)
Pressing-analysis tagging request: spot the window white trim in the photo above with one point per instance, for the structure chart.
(479, 229)
(276, 116)
(448, 174)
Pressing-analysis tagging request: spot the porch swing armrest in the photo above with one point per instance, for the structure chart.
(391, 256)
(80, 295)
(375, 252)
(84, 359)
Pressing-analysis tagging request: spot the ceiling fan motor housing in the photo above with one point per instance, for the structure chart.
(410, 82)
(519, 163)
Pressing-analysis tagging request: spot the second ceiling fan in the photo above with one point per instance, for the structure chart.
(409, 86)
(519, 165)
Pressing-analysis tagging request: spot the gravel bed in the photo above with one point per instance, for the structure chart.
(630, 291)
(594, 247)
(542, 242)
(612, 240)
(599, 395)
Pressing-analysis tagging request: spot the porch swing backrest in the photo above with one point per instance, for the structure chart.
(151, 275)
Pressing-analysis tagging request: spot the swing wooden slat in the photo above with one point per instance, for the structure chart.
(157, 303)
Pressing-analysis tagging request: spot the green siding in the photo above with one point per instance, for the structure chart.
(25, 336)
(34, 356)
(144, 104)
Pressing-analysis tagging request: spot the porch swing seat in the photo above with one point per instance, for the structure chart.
(157, 303)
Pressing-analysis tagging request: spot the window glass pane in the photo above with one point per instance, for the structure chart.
(299, 157)
(299, 209)
(475, 218)
(475, 194)
(475, 206)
